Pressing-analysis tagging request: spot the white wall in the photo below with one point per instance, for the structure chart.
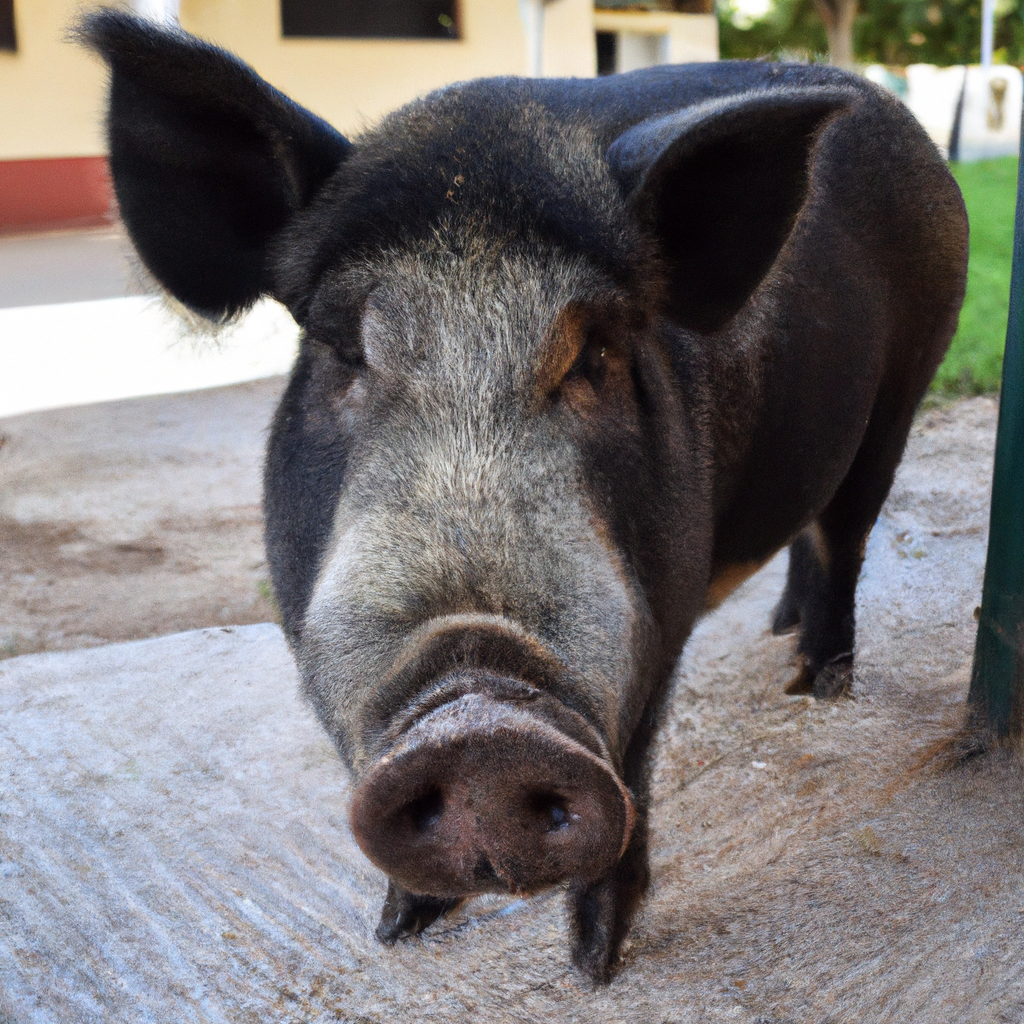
(989, 128)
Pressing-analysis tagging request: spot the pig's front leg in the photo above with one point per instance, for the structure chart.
(404, 913)
(602, 912)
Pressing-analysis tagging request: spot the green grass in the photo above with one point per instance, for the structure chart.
(975, 359)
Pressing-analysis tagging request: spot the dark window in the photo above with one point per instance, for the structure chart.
(367, 19)
(694, 6)
(682, 6)
(607, 47)
(7, 37)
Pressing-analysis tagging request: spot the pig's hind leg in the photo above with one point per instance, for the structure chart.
(404, 913)
(788, 612)
(826, 558)
(819, 602)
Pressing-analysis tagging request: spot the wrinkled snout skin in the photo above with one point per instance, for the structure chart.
(577, 358)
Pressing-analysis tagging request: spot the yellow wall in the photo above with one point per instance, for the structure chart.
(570, 48)
(50, 92)
(352, 82)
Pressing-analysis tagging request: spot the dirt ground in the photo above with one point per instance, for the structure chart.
(131, 519)
(174, 845)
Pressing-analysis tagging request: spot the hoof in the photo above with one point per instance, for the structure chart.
(405, 914)
(835, 680)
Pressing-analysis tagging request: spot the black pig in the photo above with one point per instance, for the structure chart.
(577, 358)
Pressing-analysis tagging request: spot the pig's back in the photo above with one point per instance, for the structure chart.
(613, 103)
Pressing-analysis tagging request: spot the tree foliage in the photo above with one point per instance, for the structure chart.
(790, 29)
(895, 32)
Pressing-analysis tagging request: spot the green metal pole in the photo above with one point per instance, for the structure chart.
(997, 682)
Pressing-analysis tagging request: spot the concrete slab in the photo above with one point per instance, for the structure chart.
(124, 520)
(173, 839)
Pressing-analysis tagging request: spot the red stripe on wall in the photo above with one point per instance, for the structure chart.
(55, 193)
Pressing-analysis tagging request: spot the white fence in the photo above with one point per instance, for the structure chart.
(991, 116)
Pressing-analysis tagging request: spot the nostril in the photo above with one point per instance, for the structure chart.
(426, 810)
(550, 808)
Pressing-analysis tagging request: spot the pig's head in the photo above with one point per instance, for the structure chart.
(488, 509)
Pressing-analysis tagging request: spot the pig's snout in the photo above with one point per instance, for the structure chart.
(482, 796)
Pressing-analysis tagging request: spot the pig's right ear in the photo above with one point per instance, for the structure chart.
(209, 161)
(720, 185)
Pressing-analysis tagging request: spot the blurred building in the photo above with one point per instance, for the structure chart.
(641, 33)
(350, 61)
(979, 107)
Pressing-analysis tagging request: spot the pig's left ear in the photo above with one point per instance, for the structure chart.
(209, 161)
(720, 185)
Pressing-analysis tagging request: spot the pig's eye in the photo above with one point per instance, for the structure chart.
(592, 362)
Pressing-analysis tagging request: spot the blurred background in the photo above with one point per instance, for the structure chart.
(956, 65)
(954, 62)
(130, 449)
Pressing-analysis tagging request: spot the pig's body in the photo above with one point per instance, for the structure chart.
(578, 357)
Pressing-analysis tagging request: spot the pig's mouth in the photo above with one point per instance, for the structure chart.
(485, 794)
